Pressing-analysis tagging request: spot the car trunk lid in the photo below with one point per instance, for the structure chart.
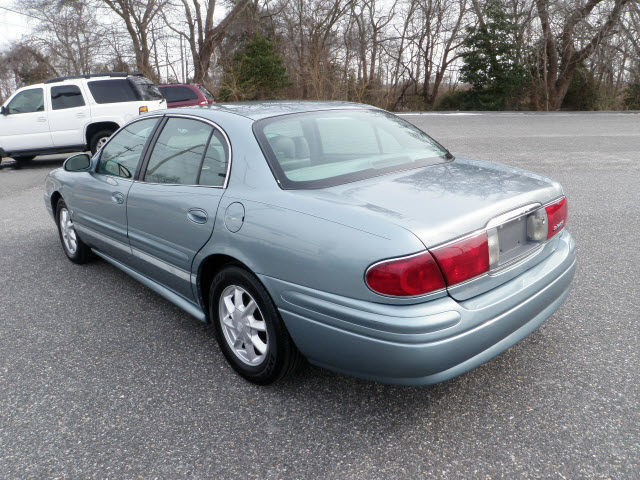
(443, 202)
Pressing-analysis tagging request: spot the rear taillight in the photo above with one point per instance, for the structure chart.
(407, 276)
(461, 260)
(464, 259)
(557, 214)
(204, 102)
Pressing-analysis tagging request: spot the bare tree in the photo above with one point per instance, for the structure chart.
(440, 47)
(426, 48)
(197, 28)
(397, 54)
(310, 34)
(22, 64)
(68, 34)
(138, 17)
(370, 19)
(571, 41)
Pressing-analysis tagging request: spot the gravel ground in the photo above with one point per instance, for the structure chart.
(101, 378)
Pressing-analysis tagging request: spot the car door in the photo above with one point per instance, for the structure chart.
(68, 116)
(171, 210)
(24, 126)
(98, 199)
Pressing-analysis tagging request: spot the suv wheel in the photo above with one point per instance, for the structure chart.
(249, 329)
(99, 140)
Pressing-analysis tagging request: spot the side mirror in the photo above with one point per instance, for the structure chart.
(77, 163)
(4, 110)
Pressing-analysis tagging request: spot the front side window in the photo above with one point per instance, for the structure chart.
(67, 96)
(121, 155)
(327, 148)
(27, 101)
(178, 152)
(113, 91)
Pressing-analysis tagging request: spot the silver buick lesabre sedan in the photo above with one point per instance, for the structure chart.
(335, 232)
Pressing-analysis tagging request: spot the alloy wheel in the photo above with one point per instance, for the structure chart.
(68, 231)
(243, 325)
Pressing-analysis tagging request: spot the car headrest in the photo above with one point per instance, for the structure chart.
(283, 147)
(302, 147)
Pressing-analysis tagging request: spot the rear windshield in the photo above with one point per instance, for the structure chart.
(328, 148)
(113, 91)
(146, 88)
(178, 94)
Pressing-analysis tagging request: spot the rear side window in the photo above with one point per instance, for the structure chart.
(147, 90)
(67, 96)
(207, 94)
(121, 155)
(178, 94)
(177, 154)
(112, 91)
(216, 159)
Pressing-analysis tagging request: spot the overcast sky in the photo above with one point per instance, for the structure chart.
(12, 25)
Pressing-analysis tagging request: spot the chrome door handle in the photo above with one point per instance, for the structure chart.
(42, 119)
(80, 115)
(197, 215)
(117, 197)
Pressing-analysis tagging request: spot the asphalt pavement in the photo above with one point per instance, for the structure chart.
(102, 378)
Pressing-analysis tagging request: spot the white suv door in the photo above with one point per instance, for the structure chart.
(68, 115)
(25, 125)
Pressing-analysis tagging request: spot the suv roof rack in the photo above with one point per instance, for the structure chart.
(94, 75)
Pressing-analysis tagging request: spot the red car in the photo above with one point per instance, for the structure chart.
(186, 94)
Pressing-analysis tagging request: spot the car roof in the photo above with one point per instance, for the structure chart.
(273, 108)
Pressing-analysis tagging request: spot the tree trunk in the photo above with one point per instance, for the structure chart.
(213, 38)
(561, 68)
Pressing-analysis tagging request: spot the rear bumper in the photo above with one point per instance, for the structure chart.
(429, 342)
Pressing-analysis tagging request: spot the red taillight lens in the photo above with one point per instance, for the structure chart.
(408, 276)
(557, 214)
(464, 259)
(204, 102)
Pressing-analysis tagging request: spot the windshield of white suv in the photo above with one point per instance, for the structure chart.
(327, 148)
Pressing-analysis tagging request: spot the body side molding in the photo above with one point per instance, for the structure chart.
(174, 298)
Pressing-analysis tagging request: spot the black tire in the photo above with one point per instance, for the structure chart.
(282, 357)
(97, 138)
(24, 158)
(82, 253)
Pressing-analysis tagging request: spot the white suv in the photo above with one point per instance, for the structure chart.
(72, 114)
